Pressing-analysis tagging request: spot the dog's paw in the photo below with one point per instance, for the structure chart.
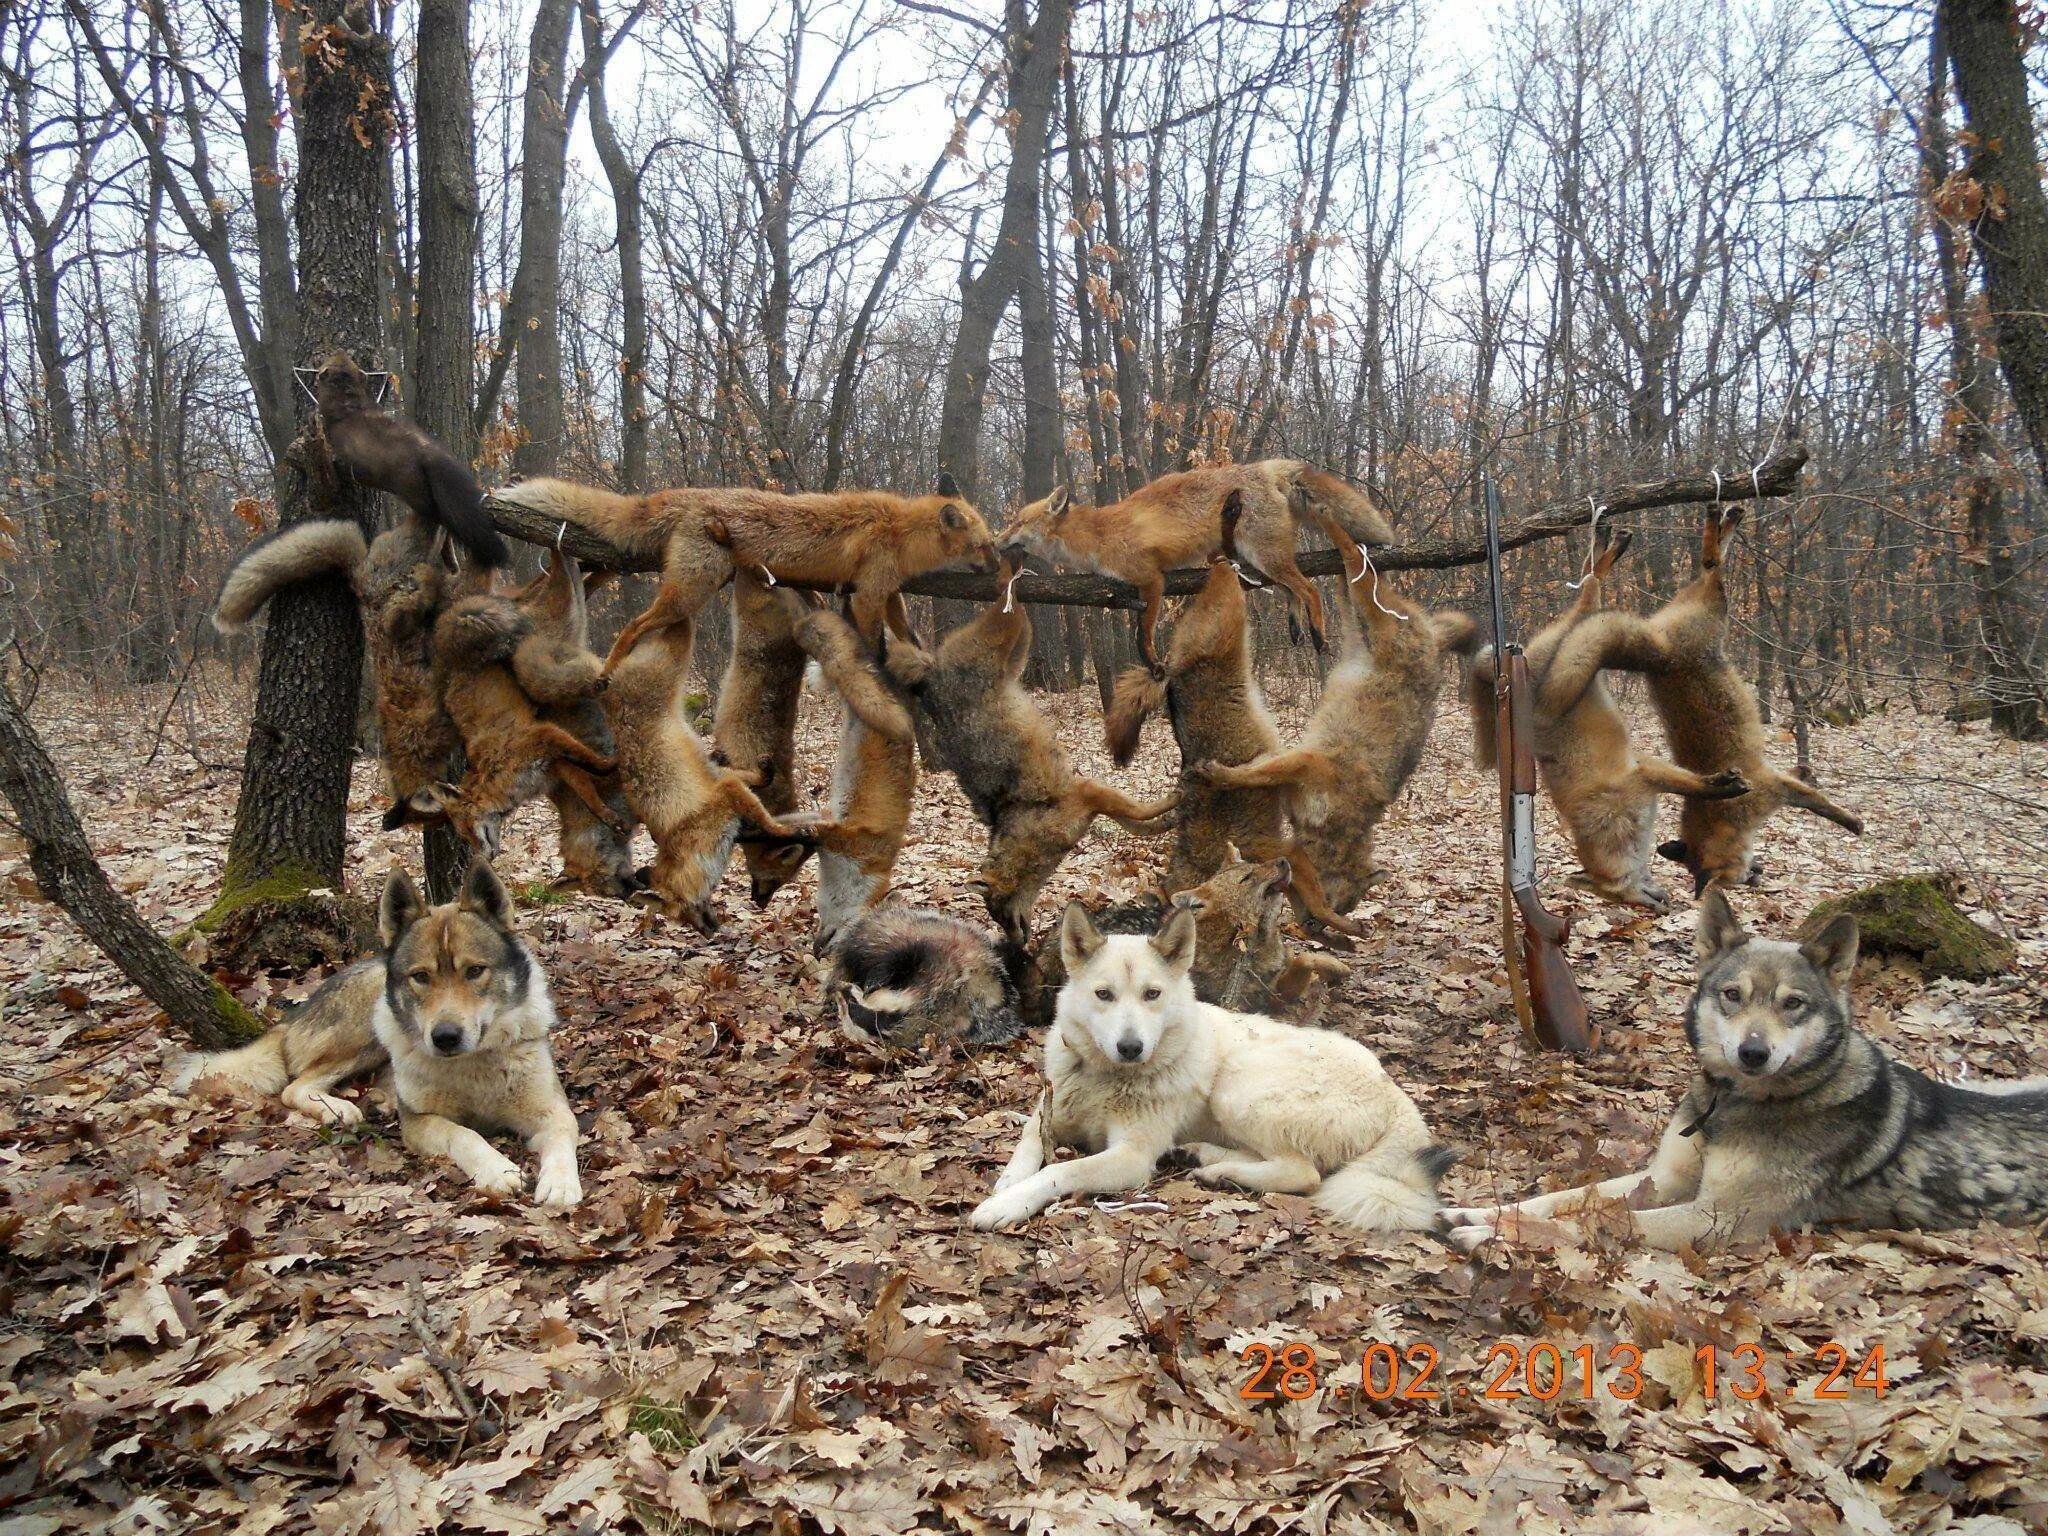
(1002, 1210)
(1213, 1173)
(557, 1188)
(330, 1110)
(500, 1176)
(1470, 1239)
(1450, 1217)
(1203, 1153)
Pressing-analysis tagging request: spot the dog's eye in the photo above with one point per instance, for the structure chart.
(1151, 994)
(1731, 994)
(1105, 994)
(420, 978)
(476, 972)
(1795, 1004)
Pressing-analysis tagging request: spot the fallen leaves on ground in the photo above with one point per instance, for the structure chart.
(769, 1312)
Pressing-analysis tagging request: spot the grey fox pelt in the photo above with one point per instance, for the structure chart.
(975, 719)
(1709, 714)
(1605, 794)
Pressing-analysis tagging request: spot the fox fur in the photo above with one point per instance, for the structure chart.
(394, 456)
(457, 1006)
(497, 669)
(755, 719)
(1218, 715)
(1175, 521)
(1709, 714)
(869, 541)
(692, 807)
(975, 719)
(1137, 1066)
(874, 775)
(402, 581)
(1242, 959)
(595, 846)
(1359, 748)
(1605, 794)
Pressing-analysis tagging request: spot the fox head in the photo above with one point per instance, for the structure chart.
(1721, 859)
(958, 531)
(771, 866)
(1125, 994)
(452, 973)
(1767, 1010)
(1038, 525)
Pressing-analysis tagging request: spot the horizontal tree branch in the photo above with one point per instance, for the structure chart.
(1777, 476)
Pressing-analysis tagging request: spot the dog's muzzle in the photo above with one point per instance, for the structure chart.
(446, 1039)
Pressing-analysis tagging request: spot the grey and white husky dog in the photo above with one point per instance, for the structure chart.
(1796, 1119)
(459, 1008)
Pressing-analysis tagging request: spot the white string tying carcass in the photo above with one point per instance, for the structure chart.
(546, 565)
(1365, 566)
(1010, 589)
(1592, 546)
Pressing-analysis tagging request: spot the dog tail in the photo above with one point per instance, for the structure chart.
(293, 555)
(1138, 693)
(1352, 509)
(1479, 699)
(1393, 1188)
(479, 631)
(621, 520)
(257, 1067)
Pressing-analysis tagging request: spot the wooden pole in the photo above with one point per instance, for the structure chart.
(1777, 476)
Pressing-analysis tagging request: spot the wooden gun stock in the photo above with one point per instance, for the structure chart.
(1547, 1000)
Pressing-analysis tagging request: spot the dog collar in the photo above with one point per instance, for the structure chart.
(1713, 1103)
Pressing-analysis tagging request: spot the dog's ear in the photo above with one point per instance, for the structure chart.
(484, 894)
(1719, 931)
(1175, 942)
(399, 908)
(1833, 950)
(1079, 937)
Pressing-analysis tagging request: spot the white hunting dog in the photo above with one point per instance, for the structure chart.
(1138, 1066)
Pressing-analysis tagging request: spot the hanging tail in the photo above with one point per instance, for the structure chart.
(1138, 694)
(329, 546)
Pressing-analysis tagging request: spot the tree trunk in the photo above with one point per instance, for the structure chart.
(444, 364)
(289, 821)
(542, 421)
(1034, 60)
(198, 1007)
(2012, 675)
(2010, 231)
(624, 176)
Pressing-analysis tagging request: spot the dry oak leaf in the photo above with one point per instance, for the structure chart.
(866, 1506)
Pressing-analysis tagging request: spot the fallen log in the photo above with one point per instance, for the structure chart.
(1777, 476)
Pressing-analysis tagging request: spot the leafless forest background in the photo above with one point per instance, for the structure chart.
(839, 242)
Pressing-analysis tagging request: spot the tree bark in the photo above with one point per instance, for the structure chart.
(61, 859)
(2012, 673)
(1777, 476)
(289, 821)
(1034, 67)
(444, 364)
(545, 141)
(624, 176)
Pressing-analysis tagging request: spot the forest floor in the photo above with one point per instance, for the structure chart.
(769, 1312)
